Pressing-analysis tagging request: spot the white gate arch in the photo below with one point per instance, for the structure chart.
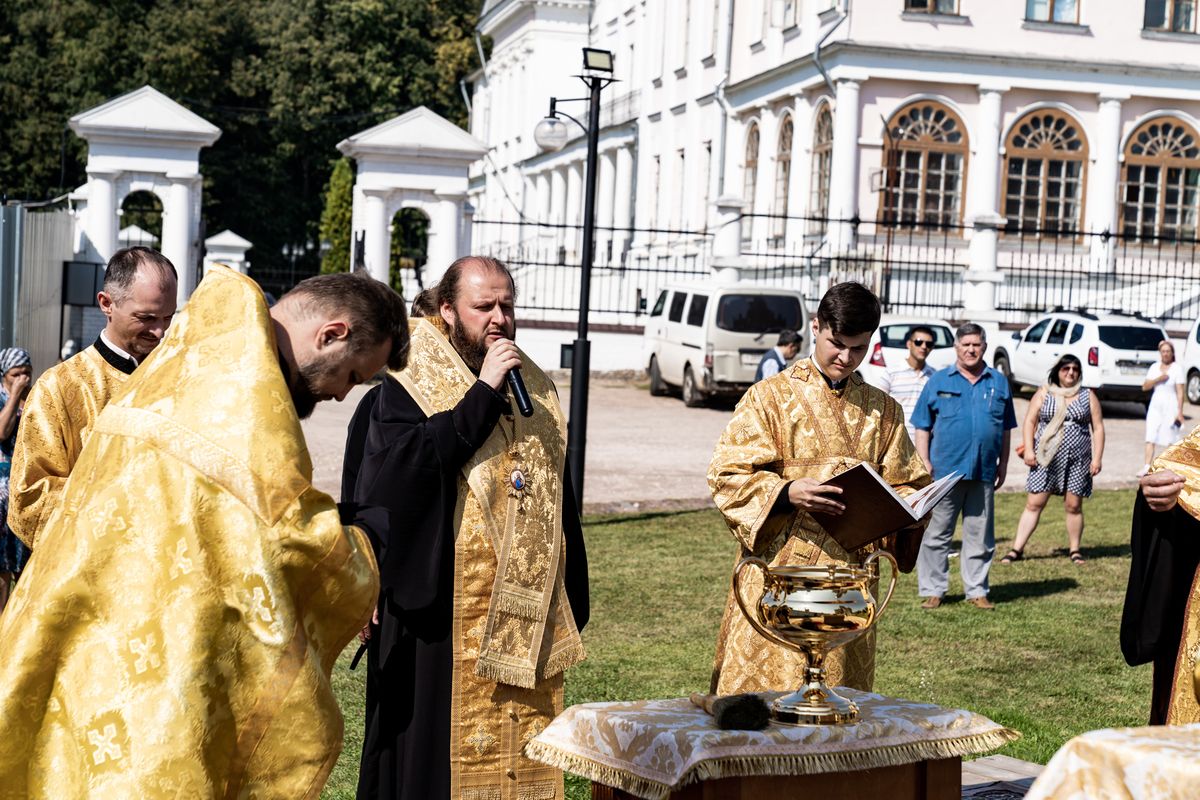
(416, 160)
(143, 141)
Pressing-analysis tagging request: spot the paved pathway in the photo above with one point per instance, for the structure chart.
(652, 452)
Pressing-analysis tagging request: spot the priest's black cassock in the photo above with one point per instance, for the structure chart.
(398, 458)
(1166, 552)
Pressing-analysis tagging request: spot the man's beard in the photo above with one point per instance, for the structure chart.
(304, 394)
(471, 350)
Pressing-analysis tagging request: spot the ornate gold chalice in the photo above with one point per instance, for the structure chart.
(813, 610)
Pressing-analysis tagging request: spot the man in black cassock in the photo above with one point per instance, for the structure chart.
(445, 714)
(1163, 575)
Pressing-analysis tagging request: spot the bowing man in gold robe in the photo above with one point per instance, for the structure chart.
(1161, 618)
(788, 434)
(138, 299)
(174, 632)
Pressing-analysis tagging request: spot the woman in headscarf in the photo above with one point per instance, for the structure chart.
(1064, 442)
(16, 376)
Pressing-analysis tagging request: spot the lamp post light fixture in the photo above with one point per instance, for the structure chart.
(551, 134)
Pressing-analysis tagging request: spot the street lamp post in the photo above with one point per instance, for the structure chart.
(551, 134)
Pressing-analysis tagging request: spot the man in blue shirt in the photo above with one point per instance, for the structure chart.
(775, 359)
(964, 420)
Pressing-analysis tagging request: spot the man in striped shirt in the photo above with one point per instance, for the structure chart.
(905, 381)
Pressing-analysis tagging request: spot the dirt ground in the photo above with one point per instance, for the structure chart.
(647, 453)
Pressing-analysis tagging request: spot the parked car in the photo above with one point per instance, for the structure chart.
(1189, 357)
(1115, 350)
(707, 339)
(887, 349)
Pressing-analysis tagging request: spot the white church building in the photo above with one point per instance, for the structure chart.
(981, 159)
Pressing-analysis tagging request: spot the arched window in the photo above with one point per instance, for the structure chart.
(1045, 165)
(783, 176)
(822, 164)
(1160, 187)
(925, 160)
(750, 179)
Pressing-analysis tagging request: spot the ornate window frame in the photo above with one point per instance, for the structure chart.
(1045, 155)
(822, 169)
(925, 141)
(783, 176)
(1160, 180)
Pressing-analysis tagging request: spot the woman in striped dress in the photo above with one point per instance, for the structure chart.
(1064, 443)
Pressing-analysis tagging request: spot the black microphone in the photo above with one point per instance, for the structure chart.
(520, 393)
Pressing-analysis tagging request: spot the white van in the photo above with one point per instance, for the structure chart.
(708, 339)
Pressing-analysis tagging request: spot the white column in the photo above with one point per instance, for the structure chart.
(467, 226)
(377, 227)
(982, 276)
(574, 209)
(177, 230)
(1104, 182)
(102, 219)
(605, 187)
(443, 236)
(558, 196)
(802, 123)
(843, 169)
(727, 238)
(764, 187)
(623, 200)
(542, 213)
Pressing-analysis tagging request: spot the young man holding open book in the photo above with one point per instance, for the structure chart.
(791, 433)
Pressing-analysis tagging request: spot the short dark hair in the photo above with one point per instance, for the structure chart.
(123, 267)
(447, 288)
(849, 309)
(788, 337)
(1062, 362)
(374, 311)
(923, 328)
(425, 303)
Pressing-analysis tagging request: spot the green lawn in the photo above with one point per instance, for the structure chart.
(1046, 662)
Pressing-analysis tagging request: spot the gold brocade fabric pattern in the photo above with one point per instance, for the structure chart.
(175, 629)
(652, 747)
(513, 629)
(1154, 763)
(787, 427)
(1184, 458)
(59, 414)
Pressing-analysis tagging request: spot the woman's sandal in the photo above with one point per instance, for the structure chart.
(1076, 557)
(1012, 556)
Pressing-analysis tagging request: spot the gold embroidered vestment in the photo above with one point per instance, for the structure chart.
(59, 414)
(514, 633)
(175, 629)
(790, 426)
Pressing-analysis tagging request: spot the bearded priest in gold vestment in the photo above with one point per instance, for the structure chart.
(138, 300)
(174, 631)
(1161, 618)
(485, 578)
(790, 433)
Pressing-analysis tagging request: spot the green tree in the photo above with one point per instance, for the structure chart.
(336, 218)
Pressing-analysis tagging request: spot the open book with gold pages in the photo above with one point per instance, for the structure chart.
(874, 509)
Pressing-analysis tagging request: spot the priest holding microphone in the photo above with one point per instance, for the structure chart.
(484, 583)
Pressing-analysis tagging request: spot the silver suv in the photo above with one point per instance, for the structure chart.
(1115, 349)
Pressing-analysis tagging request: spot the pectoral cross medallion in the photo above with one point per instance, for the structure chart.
(517, 480)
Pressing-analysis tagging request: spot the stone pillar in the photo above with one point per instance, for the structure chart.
(605, 186)
(544, 196)
(727, 238)
(102, 223)
(377, 228)
(623, 200)
(982, 275)
(443, 236)
(558, 197)
(843, 169)
(1104, 183)
(467, 230)
(177, 232)
(574, 210)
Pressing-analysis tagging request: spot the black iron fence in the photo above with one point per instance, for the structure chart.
(917, 268)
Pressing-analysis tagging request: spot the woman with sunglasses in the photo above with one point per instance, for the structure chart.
(1064, 443)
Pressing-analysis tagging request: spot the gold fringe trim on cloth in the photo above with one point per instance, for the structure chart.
(743, 766)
